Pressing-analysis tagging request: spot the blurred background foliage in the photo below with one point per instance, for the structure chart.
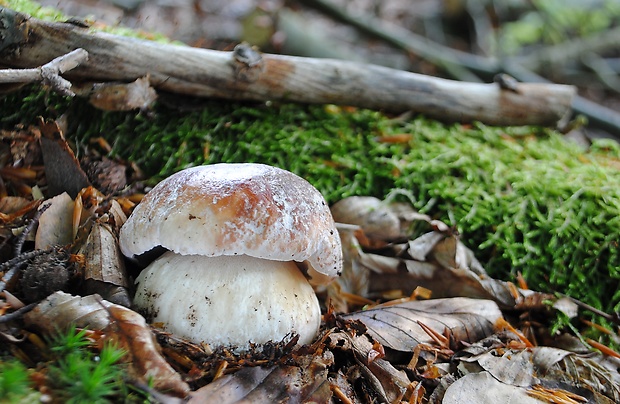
(555, 21)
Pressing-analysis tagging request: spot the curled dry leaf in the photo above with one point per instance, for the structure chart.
(398, 326)
(436, 260)
(482, 388)
(123, 96)
(354, 278)
(305, 382)
(104, 268)
(62, 169)
(14, 207)
(119, 324)
(56, 224)
(575, 373)
(130, 331)
(450, 269)
(389, 383)
(374, 216)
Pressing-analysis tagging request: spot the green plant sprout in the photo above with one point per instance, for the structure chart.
(550, 22)
(15, 384)
(75, 373)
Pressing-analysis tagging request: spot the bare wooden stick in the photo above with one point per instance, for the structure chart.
(245, 74)
(49, 73)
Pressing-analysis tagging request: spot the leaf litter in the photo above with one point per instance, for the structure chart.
(414, 317)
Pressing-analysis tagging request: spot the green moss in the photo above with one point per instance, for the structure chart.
(33, 9)
(74, 373)
(15, 384)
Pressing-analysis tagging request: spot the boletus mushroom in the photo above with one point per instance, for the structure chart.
(245, 242)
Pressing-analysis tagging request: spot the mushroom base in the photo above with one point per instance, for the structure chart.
(228, 300)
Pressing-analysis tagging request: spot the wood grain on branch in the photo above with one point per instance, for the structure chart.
(245, 74)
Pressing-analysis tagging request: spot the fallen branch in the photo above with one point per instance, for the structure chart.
(245, 74)
(49, 73)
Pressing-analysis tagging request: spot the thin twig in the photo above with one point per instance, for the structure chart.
(573, 49)
(598, 115)
(603, 71)
(17, 313)
(33, 222)
(49, 73)
(609, 317)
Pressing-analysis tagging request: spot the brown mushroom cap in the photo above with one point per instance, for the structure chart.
(231, 209)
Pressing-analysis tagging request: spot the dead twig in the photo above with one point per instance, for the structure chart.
(17, 313)
(245, 74)
(33, 222)
(49, 73)
(573, 49)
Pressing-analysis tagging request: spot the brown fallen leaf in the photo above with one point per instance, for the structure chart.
(14, 207)
(130, 331)
(104, 268)
(398, 326)
(123, 96)
(377, 263)
(441, 263)
(585, 375)
(482, 388)
(304, 382)
(62, 169)
(128, 328)
(374, 216)
(387, 382)
(22, 145)
(56, 224)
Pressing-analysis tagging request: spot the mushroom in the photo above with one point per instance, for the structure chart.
(245, 243)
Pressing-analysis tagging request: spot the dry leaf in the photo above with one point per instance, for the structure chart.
(127, 327)
(123, 97)
(436, 260)
(104, 268)
(130, 331)
(388, 382)
(62, 170)
(14, 207)
(354, 278)
(55, 224)
(547, 366)
(450, 270)
(482, 388)
(373, 215)
(398, 326)
(306, 382)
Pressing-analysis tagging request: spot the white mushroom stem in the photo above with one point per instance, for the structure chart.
(228, 300)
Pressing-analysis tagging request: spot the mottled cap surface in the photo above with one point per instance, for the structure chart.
(232, 209)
